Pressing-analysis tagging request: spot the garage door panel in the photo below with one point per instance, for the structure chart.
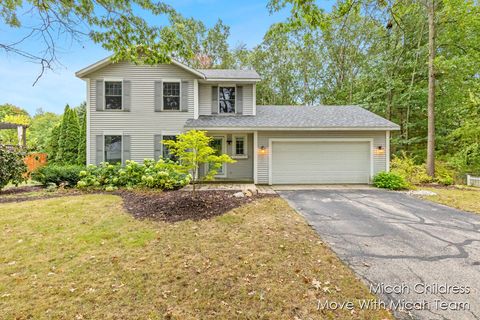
(320, 162)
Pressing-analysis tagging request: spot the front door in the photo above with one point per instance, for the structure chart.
(218, 144)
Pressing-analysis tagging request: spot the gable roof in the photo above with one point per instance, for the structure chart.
(107, 61)
(298, 118)
(207, 74)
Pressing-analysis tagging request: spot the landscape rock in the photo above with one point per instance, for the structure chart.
(238, 195)
(422, 193)
(248, 193)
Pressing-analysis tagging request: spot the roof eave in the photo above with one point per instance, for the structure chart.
(231, 79)
(263, 128)
(106, 61)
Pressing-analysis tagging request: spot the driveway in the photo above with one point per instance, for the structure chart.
(426, 253)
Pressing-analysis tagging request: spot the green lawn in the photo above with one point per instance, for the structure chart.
(463, 198)
(83, 257)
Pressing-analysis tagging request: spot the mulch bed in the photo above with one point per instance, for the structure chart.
(173, 206)
(169, 206)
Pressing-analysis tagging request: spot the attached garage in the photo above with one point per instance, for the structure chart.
(310, 144)
(321, 161)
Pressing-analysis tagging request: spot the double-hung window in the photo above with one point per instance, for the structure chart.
(113, 149)
(113, 95)
(165, 152)
(240, 146)
(226, 99)
(171, 96)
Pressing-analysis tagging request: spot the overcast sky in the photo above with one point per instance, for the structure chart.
(248, 21)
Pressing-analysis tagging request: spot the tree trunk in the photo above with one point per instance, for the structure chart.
(431, 89)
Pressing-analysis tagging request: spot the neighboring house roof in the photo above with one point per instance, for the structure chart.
(298, 117)
(229, 74)
(207, 74)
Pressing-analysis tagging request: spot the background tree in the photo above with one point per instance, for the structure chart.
(192, 150)
(40, 130)
(209, 46)
(69, 140)
(82, 145)
(53, 142)
(116, 25)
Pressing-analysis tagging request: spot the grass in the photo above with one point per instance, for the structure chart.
(83, 257)
(464, 198)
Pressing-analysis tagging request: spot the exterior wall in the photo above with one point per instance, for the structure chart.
(205, 99)
(242, 170)
(379, 139)
(141, 122)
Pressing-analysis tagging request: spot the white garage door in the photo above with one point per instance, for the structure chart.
(311, 162)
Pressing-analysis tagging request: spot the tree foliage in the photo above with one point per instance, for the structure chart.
(115, 24)
(192, 150)
(82, 144)
(69, 138)
(40, 130)
(12, 166)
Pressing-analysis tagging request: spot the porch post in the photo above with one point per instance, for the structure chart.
(387, 151)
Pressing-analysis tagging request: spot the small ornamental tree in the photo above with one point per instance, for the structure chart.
(193, 149)
(12, 166)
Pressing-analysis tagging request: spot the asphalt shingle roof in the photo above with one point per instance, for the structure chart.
(230, 74)
(297, 117)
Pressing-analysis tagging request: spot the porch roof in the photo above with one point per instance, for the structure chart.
(297, 118)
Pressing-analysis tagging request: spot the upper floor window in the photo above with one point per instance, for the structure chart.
(171, 96)
(113, 95)
(226, 99)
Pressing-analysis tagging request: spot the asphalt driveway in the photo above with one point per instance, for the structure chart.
(426, 253)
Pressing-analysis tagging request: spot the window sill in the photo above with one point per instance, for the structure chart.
(240, 157)
(113, 110)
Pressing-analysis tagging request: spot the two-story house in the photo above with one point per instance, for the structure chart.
(132, 108)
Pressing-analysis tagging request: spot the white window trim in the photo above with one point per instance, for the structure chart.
(179, 81)
(105, 80)
(272, 140)
(234, 146)
(113, 133)
(218, 98)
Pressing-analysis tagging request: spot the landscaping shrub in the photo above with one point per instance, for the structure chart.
(390, 180)
(411, 172)
(444, 174)
(162, 174)
(12, 166)
(58, 174)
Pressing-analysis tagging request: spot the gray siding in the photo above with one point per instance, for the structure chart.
(142, 122)
(242, 170)
(379, 161)
(205, 99)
